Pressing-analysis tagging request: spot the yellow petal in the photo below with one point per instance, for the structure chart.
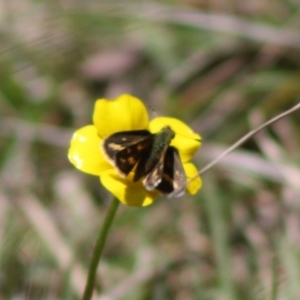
(194, 185)
(123, 113)
(128, 192)
(186, 140)
(85, 153)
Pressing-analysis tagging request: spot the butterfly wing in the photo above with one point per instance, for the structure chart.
(124, 149)
(151, 164)
(154, 177)
(173, 175)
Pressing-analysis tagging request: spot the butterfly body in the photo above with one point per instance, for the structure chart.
(149, 155)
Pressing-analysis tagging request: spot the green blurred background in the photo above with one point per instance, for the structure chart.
(223, 67)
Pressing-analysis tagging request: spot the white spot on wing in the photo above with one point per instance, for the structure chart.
(150, 186)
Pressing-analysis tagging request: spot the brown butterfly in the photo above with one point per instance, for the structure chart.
(149, 156)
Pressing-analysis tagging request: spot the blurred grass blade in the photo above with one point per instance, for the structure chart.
(214, 206)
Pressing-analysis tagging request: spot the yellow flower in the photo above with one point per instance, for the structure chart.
(127, 113)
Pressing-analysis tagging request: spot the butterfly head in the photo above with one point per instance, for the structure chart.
(168, 131)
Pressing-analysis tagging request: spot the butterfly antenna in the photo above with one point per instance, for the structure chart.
(198, 140)
(153, 110)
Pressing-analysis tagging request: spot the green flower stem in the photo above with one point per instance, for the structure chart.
(88, 292)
